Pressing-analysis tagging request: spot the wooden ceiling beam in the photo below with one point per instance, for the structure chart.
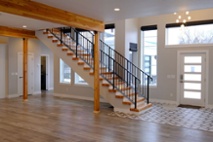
(16, 32)
(35, 10)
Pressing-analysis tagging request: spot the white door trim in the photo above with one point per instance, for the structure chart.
(31, 54)
(206, 52)
(48, 70)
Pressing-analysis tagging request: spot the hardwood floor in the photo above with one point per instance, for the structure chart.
(47, 119)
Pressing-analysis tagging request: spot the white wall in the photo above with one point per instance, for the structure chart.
(167, 57)
(3, 70)
(126, 31)
(15, 45)
(166, 89)
(72, 89)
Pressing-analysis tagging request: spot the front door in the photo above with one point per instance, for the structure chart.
(192, 78)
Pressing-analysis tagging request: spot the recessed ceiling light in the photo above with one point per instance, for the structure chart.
(117, 9)
(24, 26)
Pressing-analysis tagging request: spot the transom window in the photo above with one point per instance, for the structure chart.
(193, 34)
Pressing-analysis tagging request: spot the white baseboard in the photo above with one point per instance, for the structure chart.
(163, 101)
(37, 93)
(76, 97)
(13, 96)
(50, 89)
(210, 106)
(122, 110)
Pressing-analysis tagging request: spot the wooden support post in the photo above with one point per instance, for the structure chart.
(96, 75)
(25, 69)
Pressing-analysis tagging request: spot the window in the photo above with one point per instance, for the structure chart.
(194, 33)
(149, 43)
(65, 72)
(79, 80)
(109, 35)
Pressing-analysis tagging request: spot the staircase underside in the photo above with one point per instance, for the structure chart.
(112, 96)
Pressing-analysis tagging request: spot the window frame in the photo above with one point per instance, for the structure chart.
(188, 24)
(77, 80)
(143, 29)
(61, 72)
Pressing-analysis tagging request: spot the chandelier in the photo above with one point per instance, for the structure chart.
(182, 18)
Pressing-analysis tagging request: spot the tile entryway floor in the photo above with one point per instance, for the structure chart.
(201, 119)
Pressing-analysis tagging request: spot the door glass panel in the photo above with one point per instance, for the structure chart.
(192, 68)
(192, 86)
(192, 77)
(192, 95)
(193, 59)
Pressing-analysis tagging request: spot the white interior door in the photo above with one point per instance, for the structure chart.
(30, 73)
(192, 78)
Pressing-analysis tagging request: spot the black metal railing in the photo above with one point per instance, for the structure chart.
(76, 42)
(121, 73)
(133, 76)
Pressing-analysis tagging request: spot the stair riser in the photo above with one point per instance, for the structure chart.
(104, 90)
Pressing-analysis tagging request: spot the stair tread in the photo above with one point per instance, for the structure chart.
(128, 102)
(138, 99)
(141, 108)
(141, 104)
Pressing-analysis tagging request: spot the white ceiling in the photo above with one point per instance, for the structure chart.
(10, 20)
(104, 10)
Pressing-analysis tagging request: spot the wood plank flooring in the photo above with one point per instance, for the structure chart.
(44, 118)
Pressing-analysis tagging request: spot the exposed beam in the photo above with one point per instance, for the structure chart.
(96, 75)
(44, 12)
(16, 32)
(25, 69)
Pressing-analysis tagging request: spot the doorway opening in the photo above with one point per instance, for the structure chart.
(44, 73)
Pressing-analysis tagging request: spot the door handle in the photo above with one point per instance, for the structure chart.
(181, 78)
(20, 77)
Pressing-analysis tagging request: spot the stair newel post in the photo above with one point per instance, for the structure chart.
(148, 89)
(76, 53)
(135, 93)
(96, 74)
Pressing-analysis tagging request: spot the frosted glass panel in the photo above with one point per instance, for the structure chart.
(193, 59)
(192, 95)
(192, 68)
(192, 86)
(192, 77)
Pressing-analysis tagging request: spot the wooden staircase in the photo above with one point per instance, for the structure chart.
(113, 96)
